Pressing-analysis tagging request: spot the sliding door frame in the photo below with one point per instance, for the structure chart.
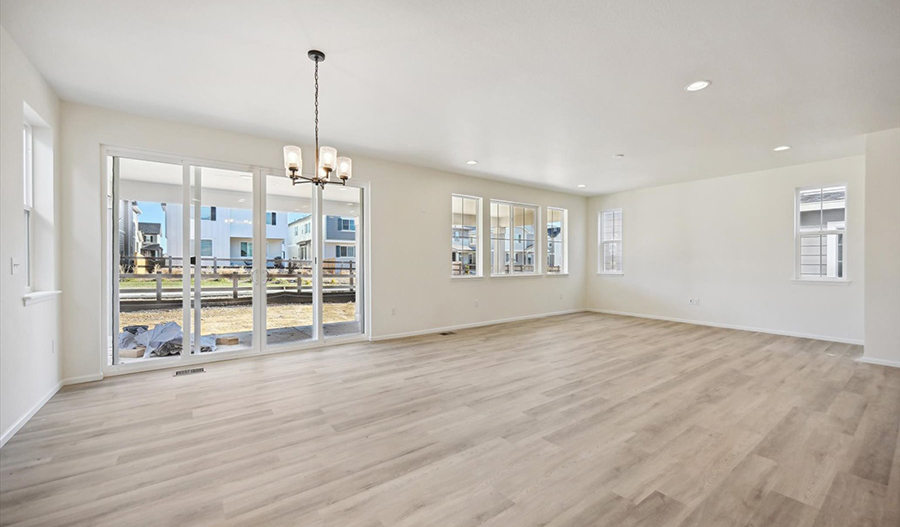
(110, 287)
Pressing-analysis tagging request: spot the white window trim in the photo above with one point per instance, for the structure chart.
(821, 280)
(538, 222)
(602, 242)
(28, 203)
(479, 260)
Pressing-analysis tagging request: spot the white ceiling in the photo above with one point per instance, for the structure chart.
(538, 92)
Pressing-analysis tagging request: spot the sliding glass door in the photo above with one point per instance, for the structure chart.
(148, 264)
(222, 241)
(341, 228)
(210, 259)
(289, 314)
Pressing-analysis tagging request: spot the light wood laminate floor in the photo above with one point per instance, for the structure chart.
(577, 420)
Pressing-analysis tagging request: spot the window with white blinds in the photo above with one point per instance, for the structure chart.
(821, 232)
(513, 238)
(611, 242)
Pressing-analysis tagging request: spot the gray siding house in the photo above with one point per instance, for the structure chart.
(340, 238)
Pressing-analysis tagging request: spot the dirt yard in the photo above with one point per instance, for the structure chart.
(233, 319)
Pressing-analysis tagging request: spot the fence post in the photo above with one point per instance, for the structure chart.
(234, 285)
(170, 264)
(216, 266)
(352, 275)
(158, 287)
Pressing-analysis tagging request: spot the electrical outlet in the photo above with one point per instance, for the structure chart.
(476, 302)
(694, 301)
(560, 296)
(393, 311)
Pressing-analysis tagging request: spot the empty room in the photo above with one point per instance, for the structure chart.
(465, 263)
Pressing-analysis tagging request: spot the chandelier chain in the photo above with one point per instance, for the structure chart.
(317, 115)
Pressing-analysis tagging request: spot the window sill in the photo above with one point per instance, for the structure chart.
(831, 281)
(466, 277)
(557, 274)
(29, 299)
(612, 273)
(519, 275)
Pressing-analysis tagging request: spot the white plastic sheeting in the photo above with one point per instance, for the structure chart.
(164, 339)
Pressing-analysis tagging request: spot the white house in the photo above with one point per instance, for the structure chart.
(226, 235)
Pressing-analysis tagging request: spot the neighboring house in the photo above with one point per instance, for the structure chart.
(464, 248)
(150, 236)
(553, 232)
(340, 238)
(299, 246)
(825, 211)
(522, 249)
(129, 234)
(226, 235)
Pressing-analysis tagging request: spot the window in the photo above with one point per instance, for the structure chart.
(307, 227)
(345, 224)
(611, 241)
(208, 213)
(296, 230)
(557, 225)
(345, 251)
(464, 235)
(513, 238)
(246, 249)
(206, 247)
(28, 185)
(821, 232)
(270, 218)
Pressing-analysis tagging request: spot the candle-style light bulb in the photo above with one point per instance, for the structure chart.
(344, 167)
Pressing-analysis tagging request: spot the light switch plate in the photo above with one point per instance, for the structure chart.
(15, 265)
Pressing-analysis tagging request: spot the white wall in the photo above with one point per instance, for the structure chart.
(29, 365)
(729, 242)
(410, 232)
(883, 253)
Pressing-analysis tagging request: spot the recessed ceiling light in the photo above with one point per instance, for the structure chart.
(619, 156)
(581, 186)
(471, 162)
(781, 148)
(697, 85)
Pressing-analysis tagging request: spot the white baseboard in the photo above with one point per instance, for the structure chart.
(83, 378)
(732, 326)
(11, 431)
(880, 362)
(7, 435)
(473, 325)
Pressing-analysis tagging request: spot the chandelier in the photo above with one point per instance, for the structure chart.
(327, 161)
